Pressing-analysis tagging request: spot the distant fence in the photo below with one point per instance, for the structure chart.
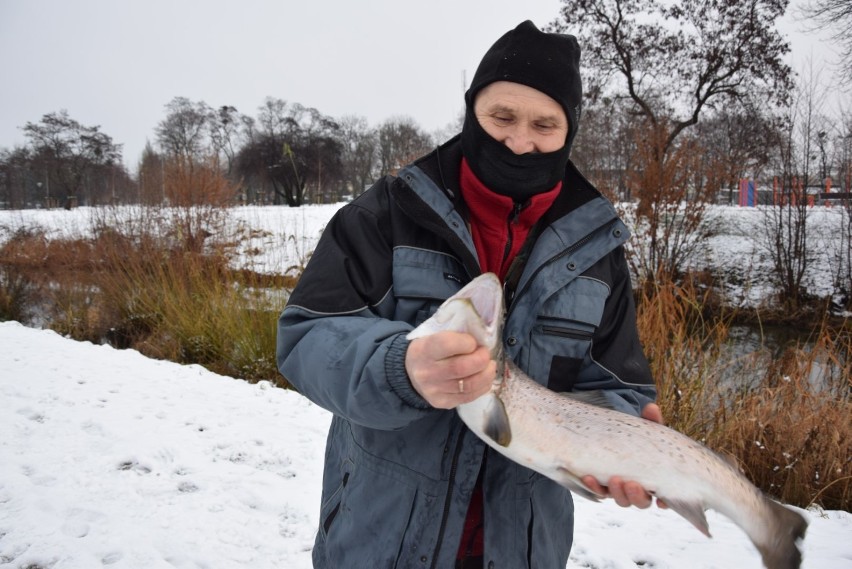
(750, 195)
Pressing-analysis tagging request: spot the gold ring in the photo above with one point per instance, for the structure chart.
(461, 386)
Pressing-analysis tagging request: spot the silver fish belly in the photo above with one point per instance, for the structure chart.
(565, 438)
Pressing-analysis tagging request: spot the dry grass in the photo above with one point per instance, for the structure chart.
(787, 422)
(156, 282)
(793, 431)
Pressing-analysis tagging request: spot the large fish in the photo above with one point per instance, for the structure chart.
(566, 438)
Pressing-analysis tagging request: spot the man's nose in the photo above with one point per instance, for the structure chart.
(519, 140)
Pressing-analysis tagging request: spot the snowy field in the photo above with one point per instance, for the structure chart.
(111, 459)
(108, 458)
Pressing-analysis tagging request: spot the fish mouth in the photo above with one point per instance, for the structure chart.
(476, 309)
(485, 294)
(483, 302)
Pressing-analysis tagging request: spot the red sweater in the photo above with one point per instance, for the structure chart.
(499, 228)
(499, 225)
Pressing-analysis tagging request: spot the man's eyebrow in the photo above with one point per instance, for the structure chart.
(498, 107)
(550, 117)
(501, 108)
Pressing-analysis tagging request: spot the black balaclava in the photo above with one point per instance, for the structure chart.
(547, 62)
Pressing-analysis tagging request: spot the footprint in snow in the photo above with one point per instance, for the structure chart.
(187, 487)
(134, 466)
(112, 557)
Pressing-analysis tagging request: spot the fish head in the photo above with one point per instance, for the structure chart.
(476, 309)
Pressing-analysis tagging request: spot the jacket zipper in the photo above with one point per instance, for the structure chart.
(566, 332)
(512, 220)
(576, 245)
(585, 239)
(449, 499)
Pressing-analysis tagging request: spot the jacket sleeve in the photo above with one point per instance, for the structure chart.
(337, 342)
(619, 366)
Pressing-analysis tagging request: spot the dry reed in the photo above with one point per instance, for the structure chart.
(153, 282)
(787, 424)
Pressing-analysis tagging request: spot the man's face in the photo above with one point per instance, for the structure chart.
(524, 119)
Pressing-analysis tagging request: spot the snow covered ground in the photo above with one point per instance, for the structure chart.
(111, 459)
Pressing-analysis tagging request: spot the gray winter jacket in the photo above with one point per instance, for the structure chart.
(398, 473)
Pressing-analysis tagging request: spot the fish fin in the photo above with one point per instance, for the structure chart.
(497, 425)
(731, 460)
(595, 397)
(787, 527)
(573, 482)
(692, 511)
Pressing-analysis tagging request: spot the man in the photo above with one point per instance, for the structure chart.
(406, 484)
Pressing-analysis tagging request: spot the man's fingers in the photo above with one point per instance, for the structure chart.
(449, 394)
(623, 493)
(448, 369)
(652, 412)
(444, 345)
(616, 491)
(592, 484)
(636, 495)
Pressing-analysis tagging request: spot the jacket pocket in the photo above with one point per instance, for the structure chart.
(572, 341)
(330, 509)
(545, 517)
(550, 526)
(561, 337)
(422, 280)
(365, 523)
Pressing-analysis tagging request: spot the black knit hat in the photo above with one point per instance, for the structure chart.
(547, 62)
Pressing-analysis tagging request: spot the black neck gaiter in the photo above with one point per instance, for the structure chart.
(518, 176)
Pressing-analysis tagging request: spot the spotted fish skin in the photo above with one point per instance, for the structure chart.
(567, 437)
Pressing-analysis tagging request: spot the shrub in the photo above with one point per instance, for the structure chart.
(785, 421)
(145, 280)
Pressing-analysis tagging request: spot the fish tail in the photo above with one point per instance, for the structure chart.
(787, 527)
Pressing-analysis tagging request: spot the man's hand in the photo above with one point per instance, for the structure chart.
(449, 368)
(629, 493)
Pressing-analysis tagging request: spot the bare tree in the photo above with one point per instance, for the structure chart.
(449, 130)
(274, 118)
(296, 150)
(193, 139)
(676, 193)
(359, 143)
(605, 144)
(17, 179)
(151, 173)
(182, 134)
(225, 126)
(737, 142)
(673, 60)
(785, 233)
(836, 17)
(74, 158)
(841, 263)
(401, 140)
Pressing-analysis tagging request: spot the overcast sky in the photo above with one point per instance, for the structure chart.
(117, 63)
